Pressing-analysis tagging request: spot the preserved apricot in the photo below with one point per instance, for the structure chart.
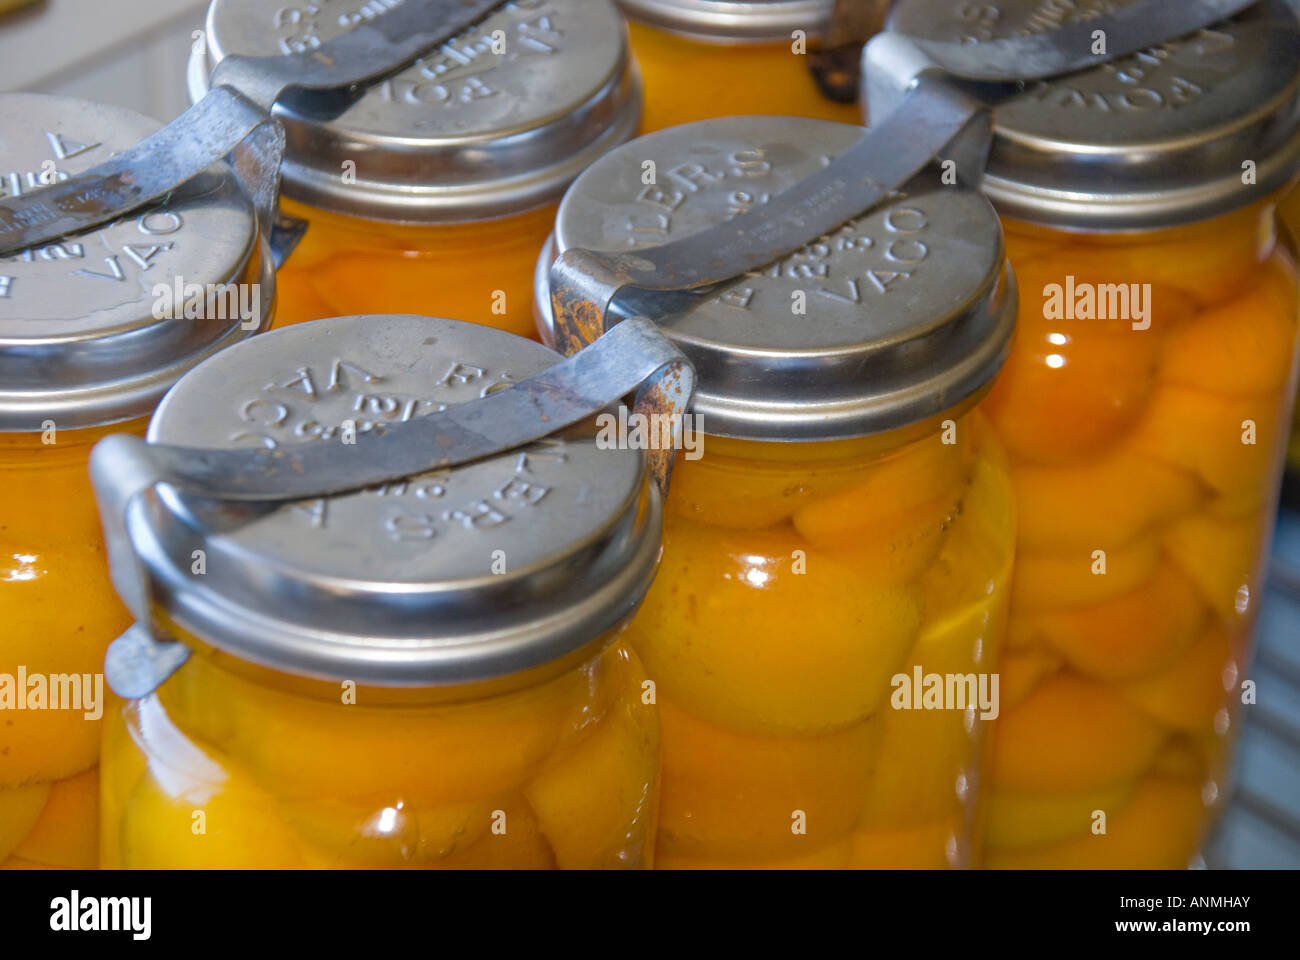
(1132, 635)
(1072, 734)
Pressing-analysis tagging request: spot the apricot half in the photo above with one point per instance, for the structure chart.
(1022, 670)
(894, 519)
(1067, 394)
(1229, 442)
(396, 835)
(303, 747)
(752, 493)
(67, 833)
(1189, 692)
(734, 796)
(1159, 828)
(1223, 557)
(1132, 635)
(974, 566)
(595, 800)
(1017, 819)
(60, 613)
(1072, 734)
(517, 844)
(1243, 347)
(1072, 387)
(231, 825)
(762, 632)
(20, 808)
(1081, 576)
(1111, 500)
(1209, 265)
(928, 757)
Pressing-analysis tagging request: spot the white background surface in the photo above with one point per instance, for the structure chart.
(128, 52)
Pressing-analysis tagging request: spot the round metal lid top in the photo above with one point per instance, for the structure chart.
(497, 567)
(896, 316)
(1154, 139)
(91, 328)
(498, 120)
(733, 20)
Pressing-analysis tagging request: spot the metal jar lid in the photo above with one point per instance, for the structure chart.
(733, 21)
(464, 134)
(1153, 140)
(513, 566)
(909, 309)
(80, 340)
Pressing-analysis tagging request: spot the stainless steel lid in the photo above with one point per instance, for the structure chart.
(908, 309)
(734, 21)
(464, 134)
(511, 566)
(1152, 140)
(80, 339)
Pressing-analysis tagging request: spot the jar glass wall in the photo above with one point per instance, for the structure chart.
(55, 587)
(807, 596)
(564, 774)
(1289, 214)
(1145, 461)
(481, 271)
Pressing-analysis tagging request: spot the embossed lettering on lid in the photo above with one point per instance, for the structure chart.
(1154, 139)
(509, 566)
(467, 132)
(733, 20)
(81, 339)
(893, 318)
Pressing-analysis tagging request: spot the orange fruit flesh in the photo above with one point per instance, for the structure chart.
(776, 639)
(741, 80)
(60, 612)
(481, 272)
(188, 785)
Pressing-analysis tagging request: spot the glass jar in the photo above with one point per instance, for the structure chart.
(93, 331)
(1144, 410)
(726, 58)
(1289, 213)
(433, 191)
(421, 674)
(839, 532)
